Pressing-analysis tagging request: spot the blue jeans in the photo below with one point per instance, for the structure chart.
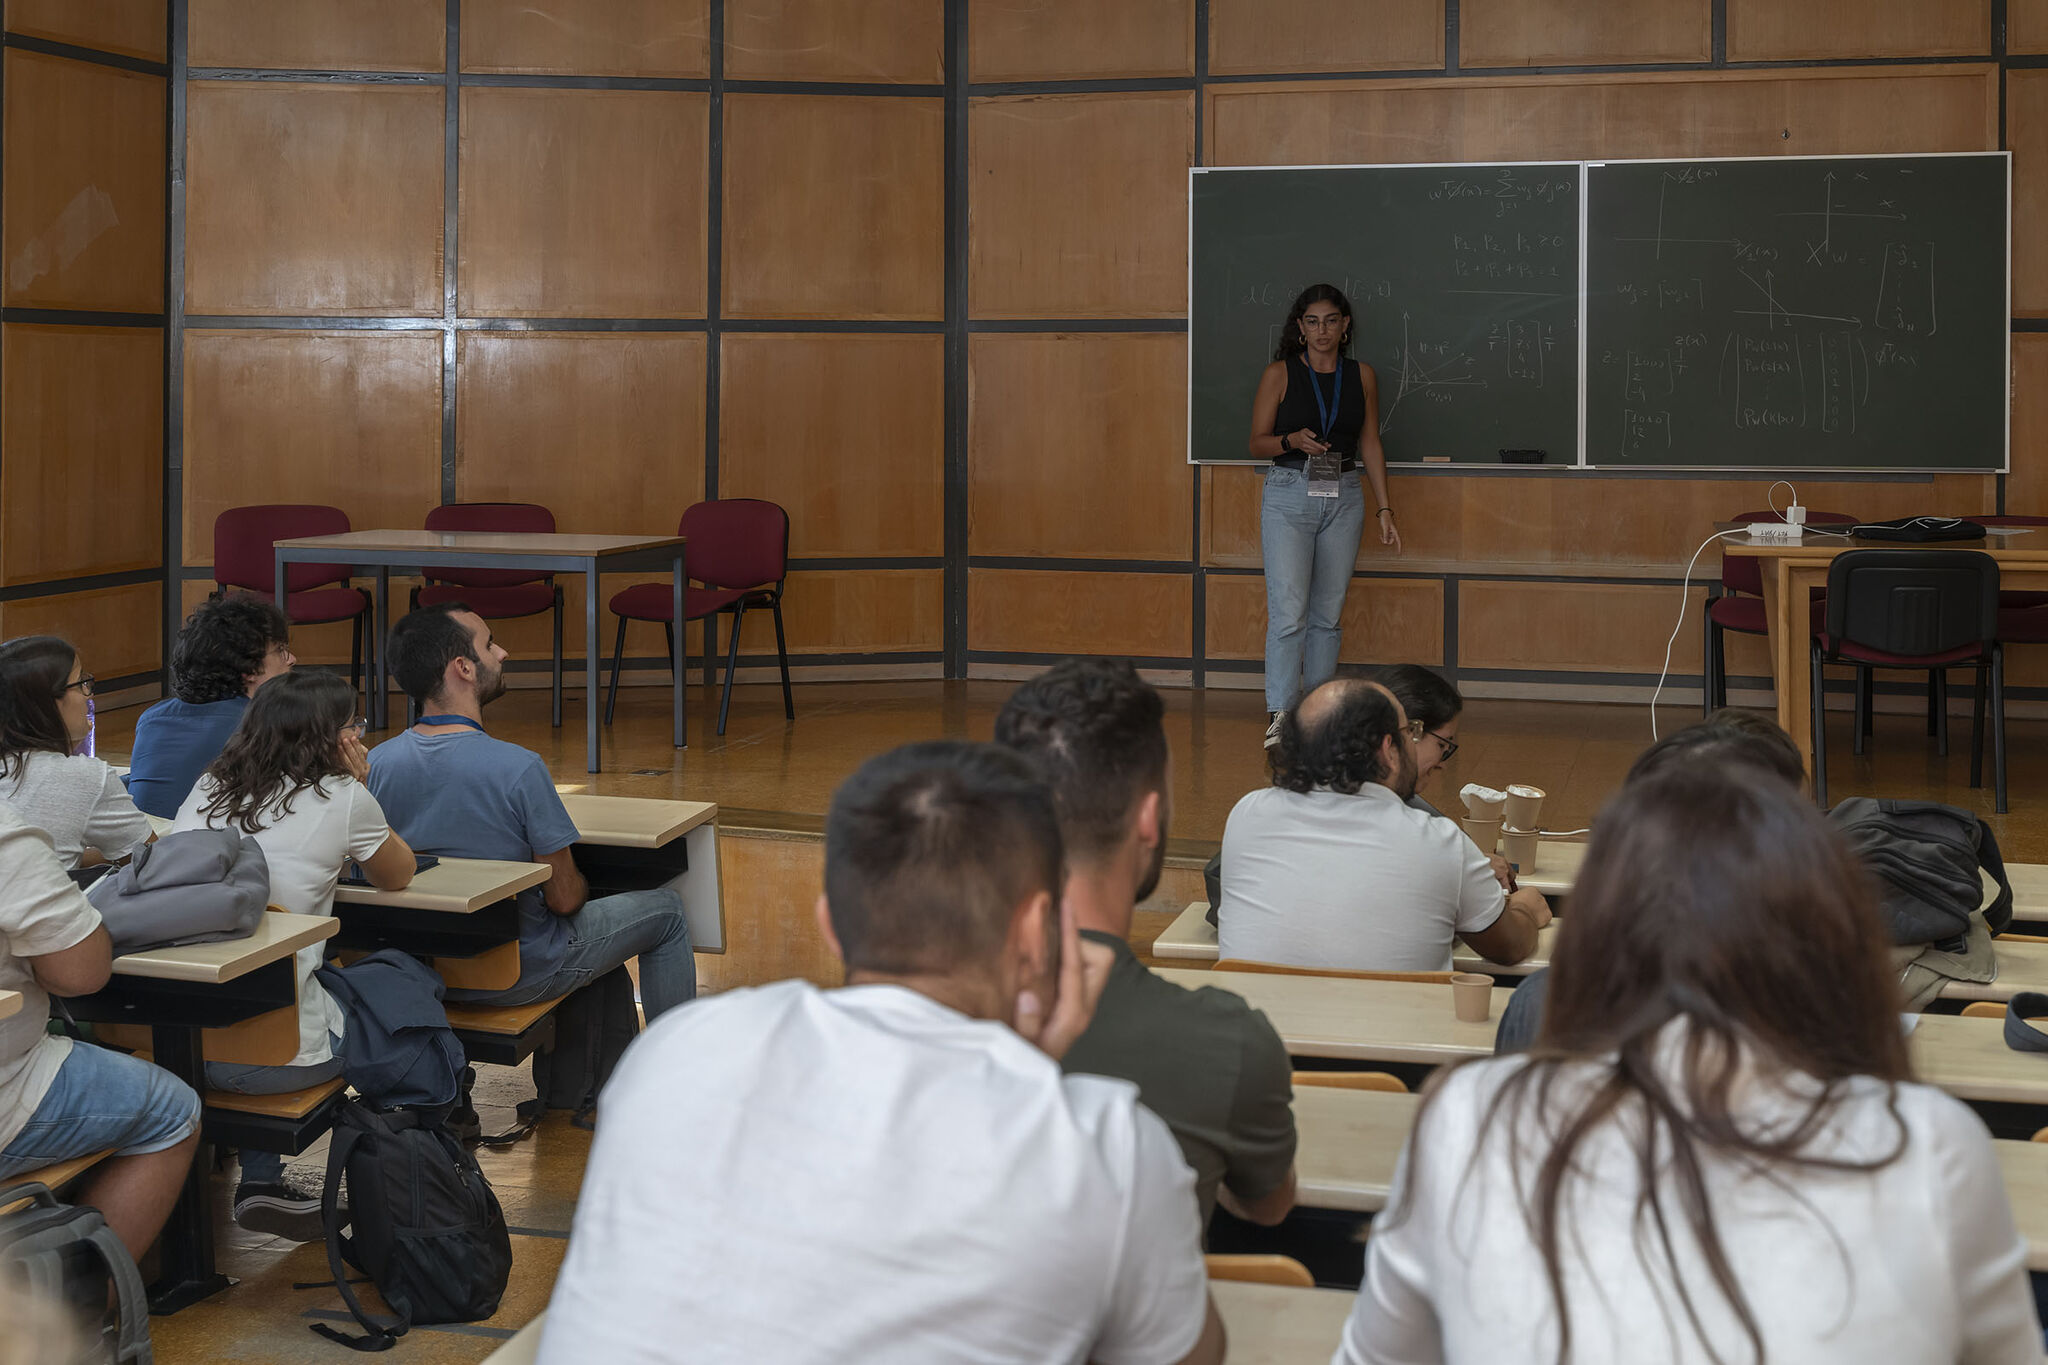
(267, 1168)
(100, 1099)
(1310, 546)
(605, 933)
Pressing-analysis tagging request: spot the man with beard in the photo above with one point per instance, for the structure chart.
(1204, 1061)
(452, 790)
(1329, 867)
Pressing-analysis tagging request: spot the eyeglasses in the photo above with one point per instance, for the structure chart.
(358, 727)
(1415, 730)
(84, 684)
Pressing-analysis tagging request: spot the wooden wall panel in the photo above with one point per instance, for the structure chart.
(606, 429)
(2026, 132)
(2026, 26)
(319, 35)
(1079, 205)
(847, 432)
(851, 611)
(82, 203)
(1324, 35)
(2026, 488)
(136, 28)
(898, 41)
(1750, 113)
(1069, 436)
(1037, 40)
(118, 632)
(1576, 627)
(328, 646)
(1386, 620)
(1819, 30)
(583, 203)
(1583, 32)
(657, 38)
(308, 198)
(834, 207)
(81, 450)
(1130, 615)
(352, 419)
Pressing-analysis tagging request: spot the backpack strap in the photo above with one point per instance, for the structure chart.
(382, 1333)
(1998, 914)
(2020, 1035)
(132, 1343)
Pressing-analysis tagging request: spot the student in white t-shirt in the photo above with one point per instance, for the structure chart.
(292, 777)
(896, 1170)
(45, 712)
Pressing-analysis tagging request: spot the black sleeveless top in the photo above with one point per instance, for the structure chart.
(1298, 407)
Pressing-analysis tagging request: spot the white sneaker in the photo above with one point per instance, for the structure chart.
(1273, 730)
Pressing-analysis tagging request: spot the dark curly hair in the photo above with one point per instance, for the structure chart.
(33, 671)
(1291, 343)
(1424, 694)
(423, 644)
(1339, 750)
(222, 645)
(1094, 729)
(288, 741)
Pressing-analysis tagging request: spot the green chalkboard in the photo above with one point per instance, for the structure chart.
(1464, 285)
(1797, 313)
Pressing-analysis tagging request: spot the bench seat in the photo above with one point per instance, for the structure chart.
(286, 1123)
(505, 1035)
(56, 1176)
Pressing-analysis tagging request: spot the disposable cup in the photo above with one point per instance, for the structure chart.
(1518, 846)
(1525, 807)
(1472, 996)
(1485, 833)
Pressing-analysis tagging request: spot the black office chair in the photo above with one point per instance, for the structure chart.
(1924, 610)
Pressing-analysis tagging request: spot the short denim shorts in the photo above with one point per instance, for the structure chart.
(101, 1099)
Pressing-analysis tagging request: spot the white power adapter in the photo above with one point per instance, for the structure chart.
(1775, 530)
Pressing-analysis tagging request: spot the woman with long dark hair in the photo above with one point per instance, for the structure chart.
(1316, 417)
(1715, 1151)
(46, 713)
(293, 777)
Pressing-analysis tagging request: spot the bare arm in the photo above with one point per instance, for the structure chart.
(391, 867)
(1512, 937)
(80, 969)
(566, 891)
(1267, 1212)
(1209, 1349)
(1373, 456)
(1266, 407)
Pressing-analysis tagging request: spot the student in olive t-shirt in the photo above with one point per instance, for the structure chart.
(1204, 1061)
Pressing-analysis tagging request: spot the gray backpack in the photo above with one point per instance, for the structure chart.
(68, 1256)
(197, 886)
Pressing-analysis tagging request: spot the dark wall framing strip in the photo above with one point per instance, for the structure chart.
(1037, 564)
(81, 317)
(451, 217)
(173, 482)
(93, 55)
(1037, 659)
(1198, 604)
(57, 587)
(957, 302)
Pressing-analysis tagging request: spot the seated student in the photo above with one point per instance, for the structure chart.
(1715, 1151)
(1330, 867)
(45, 711)
(454, 791)
(292, 778)
(226, 649)
(893, 1171)
(1206, 1062)
(60, 1099)
(1432, 707)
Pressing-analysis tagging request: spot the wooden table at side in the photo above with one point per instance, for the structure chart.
(1793, 572)
(10, 1003)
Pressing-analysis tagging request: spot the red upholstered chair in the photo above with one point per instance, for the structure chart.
(1914, 609)
(497, 594)
(244, 560)
(1743, 575)
(739, 550)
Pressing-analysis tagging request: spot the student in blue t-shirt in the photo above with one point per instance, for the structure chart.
(227, 649)
(453, 791)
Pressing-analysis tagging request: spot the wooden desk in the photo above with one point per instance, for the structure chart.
(1192, 938)
(2029, 892)
(453, 886)
(1793, 572)
(278, 936)
(10, 1003)
(1969, 1059)
(631, 843)
(1370, 1021)
(379, 552)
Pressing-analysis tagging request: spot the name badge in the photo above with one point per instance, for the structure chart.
(1325, 473)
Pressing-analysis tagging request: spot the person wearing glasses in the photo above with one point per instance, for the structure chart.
(293, 777)
(225, 651)
(45, 714)
(1330, 866)
(1316, 418)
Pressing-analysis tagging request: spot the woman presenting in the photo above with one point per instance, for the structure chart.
(1317, 418)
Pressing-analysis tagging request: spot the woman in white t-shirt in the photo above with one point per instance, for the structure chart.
(292, 776)
(45, 713)
(1715, 1151)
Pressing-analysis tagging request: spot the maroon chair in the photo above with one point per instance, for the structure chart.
(497, 594)
(1744, 574)
(739, 550)
(245, 560)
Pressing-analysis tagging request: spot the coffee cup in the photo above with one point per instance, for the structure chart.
(1518, 846)
(1483, 803)
(1485, 833)
(1472, 996)
(1524, 807)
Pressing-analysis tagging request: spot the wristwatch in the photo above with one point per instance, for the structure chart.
(1284, 439)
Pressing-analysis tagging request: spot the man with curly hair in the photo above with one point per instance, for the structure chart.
(1330, 867)
(226, 649)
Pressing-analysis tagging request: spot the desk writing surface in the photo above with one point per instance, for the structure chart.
(455, 886)
(479, 542)
(2029, 891)
(278, 935)
(634, 822)
(1192, 938)
(1969, 1059)
(2021, 967)
(1349, 1142)
(1276, 1324)
(10, 1003)
(1384, 1021)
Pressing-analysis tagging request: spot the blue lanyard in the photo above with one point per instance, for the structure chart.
(1327, 411)
(450, 720)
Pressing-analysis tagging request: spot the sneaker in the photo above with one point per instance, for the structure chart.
(1273, 730)
(279, 1209)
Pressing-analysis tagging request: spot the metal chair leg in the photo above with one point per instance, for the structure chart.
(359, 632)
(1978, 694)
(1937, 697)
(558, 656)
(1862, 728)
(1820, 731)
(668, 639)
(1932, 675)
(1712, 647)
(732, 661)
(618, 661)
(782, 657)
(710, 651)
(1998, 725)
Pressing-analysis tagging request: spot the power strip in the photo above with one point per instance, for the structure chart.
(1775, 530)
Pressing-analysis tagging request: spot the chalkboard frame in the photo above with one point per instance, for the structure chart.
(1586, 169)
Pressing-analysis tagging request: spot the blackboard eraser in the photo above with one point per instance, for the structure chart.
(1524, 456)
(1436, 459)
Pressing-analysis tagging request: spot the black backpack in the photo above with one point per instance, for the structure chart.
(1926, 858)
(427, 1229)
(593, 1029)
(68, 1256)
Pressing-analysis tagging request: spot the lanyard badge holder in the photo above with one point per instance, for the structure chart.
(1325, 471)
